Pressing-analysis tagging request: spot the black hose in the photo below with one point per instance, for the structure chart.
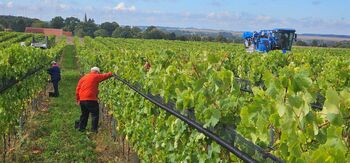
(28, 74)
(14, 82)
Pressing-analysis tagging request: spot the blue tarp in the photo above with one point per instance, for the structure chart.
(247, 35)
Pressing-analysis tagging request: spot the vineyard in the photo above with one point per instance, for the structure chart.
(296, 107)
(273, 107)
(9, 38)
(22, 78)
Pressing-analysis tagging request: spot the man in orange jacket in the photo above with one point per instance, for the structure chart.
(86, 96)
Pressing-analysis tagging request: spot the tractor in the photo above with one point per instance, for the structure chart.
(267, 40)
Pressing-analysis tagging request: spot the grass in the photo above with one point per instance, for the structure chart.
(53, 137)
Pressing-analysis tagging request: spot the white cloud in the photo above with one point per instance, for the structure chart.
(263, 18)
(64, 6)
(220, 15)
(9, 4)
(122, 7)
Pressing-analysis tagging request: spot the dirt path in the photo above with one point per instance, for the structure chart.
(70, 40)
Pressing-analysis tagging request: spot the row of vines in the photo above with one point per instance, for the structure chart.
(278, 116)
(22, 77)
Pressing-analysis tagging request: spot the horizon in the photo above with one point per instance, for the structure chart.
(317, 16)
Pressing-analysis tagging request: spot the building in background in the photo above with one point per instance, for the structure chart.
(48, 31)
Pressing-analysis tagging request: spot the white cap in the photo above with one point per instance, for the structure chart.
(96, 69)
(53, 62)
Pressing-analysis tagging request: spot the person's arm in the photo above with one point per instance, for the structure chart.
(105, 76)
(78, 90)
(49, 71)
(59, 73)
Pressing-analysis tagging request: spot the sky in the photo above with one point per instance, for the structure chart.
(306, 16)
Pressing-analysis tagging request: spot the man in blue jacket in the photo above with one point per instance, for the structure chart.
(55, 74)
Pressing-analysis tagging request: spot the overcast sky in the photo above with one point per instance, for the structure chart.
(306, 16)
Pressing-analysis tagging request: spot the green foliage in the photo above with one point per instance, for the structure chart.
(15, 62)
(220, 38)
(301, 43)
(101, 33)
(86, 28)
(314, 43)
(109, 27)
(201, 76)
(126, 32)
(1, 27)
(16, 23)
(70, 24)
(153, 33)
(57, 22)
(9, 38)
(171, 36)
(40, 24)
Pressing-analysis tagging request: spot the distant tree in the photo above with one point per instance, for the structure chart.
(1, 28)
(40, 24)
(136, 32)
(79, 31)
(109, 27)
(101, 33)
(126, 32)
(153, 33)
(323, 45)
(123, 32)
(16, 23)
(208, 38)
(237, 39)
(150, 28)
(4, 23)
(314, 43)
(91, 27)
(19, 26)
(86, 28)
(230, 39)
(117, 32)
(226, 34)
(342, 44)
(220, 38)
(182, 38)
(70, 23)
(57, 22)
(170, 36)
(195, 38)
(301, 43)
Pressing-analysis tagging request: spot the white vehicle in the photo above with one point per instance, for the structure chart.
(43, 45)
(39, 45)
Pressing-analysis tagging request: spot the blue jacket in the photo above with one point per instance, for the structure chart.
(55, 73)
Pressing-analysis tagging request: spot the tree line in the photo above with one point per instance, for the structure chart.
(320, 43)
(88, 27)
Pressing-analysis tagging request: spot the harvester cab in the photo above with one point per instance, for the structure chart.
(267, 40)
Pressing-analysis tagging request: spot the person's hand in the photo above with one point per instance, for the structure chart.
(78, 103)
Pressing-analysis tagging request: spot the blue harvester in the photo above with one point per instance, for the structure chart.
(266, 40)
